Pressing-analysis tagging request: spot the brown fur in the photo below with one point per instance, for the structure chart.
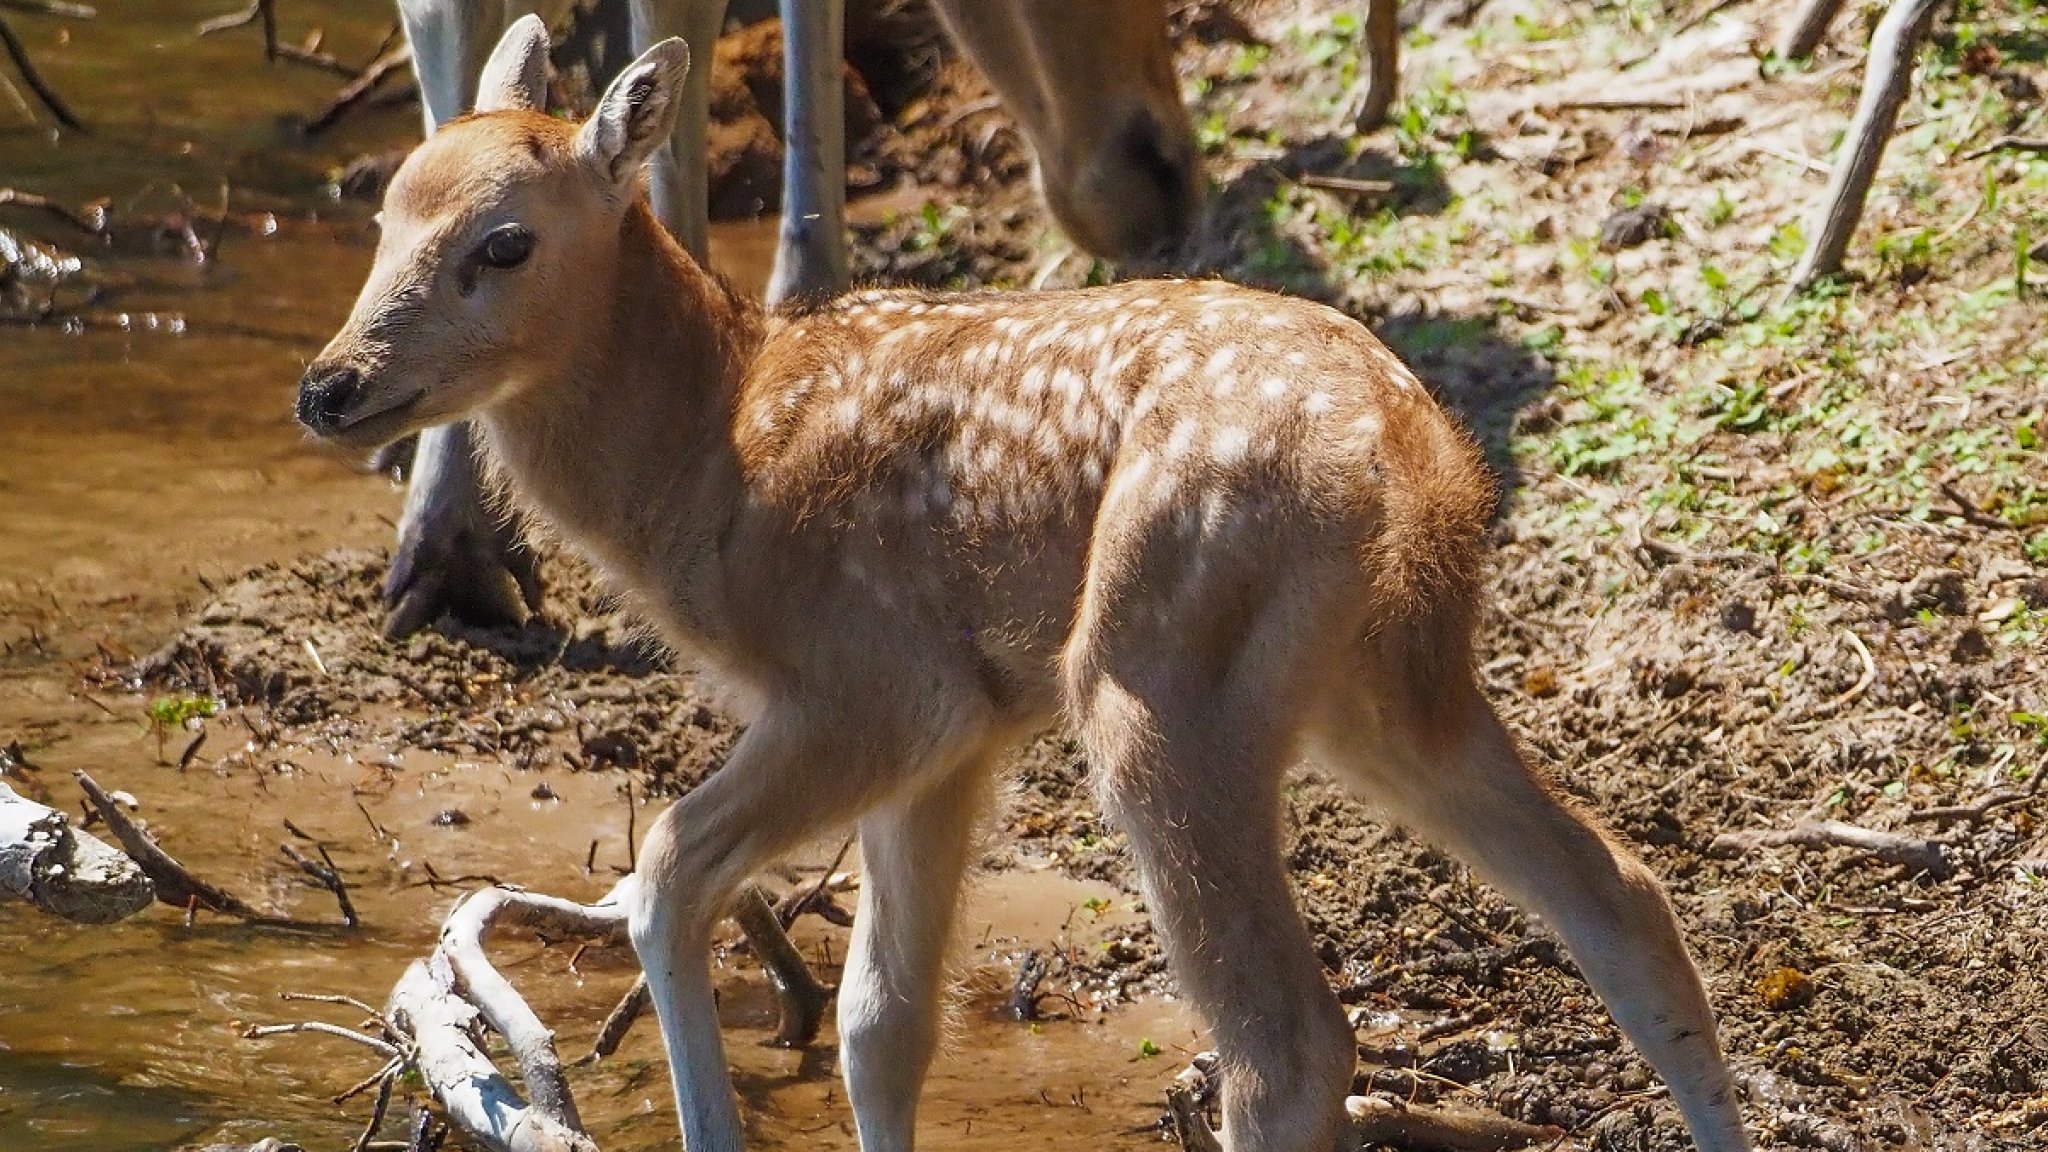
(1210, 528)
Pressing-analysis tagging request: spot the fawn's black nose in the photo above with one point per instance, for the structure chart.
(325, 393)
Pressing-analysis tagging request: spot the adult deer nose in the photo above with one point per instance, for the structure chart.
(325, 392)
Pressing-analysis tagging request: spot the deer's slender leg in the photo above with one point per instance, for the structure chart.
(1383, 59)
(454, 554)
(1186, 681)
(913, 852)
(1455, 775)
(679, 182)
(810, 257)
(796, 771)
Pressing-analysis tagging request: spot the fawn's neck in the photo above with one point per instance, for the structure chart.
(628, 453)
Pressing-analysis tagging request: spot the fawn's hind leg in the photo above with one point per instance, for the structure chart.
(1193, 778)
(913, 851)
(1440, 761)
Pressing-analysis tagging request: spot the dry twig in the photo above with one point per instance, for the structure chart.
(18, 52)
(359, 89)
(1910, 852)
(175, 883)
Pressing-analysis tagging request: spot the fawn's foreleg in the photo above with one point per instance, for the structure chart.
(913, 851)
(794, 773)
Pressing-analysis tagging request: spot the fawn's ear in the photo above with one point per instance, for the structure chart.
(636, 114)
(515, 79)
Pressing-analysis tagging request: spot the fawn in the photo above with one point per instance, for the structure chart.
(1091, 83)
(1213, 529)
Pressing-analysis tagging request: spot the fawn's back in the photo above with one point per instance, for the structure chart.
(960, 458)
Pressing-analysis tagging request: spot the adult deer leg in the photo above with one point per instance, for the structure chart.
(810, 257)
(679, 182)
(1454, 774)
(454, 554)
(795, 772)
(913, 852)
(1383, 60)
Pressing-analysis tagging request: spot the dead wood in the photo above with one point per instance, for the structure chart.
(1807, 29)
(18, 52)
(2009, 144)
(613, 1031)
(1911, 852)
(89, 224)
(1377, 1120)
(263, 10)
(175, 884)
(53, 8)
(444, 1030)
(802, 998)
(329, 877)
(359, 89)
(1886, 80)
(63, 871)
(1984, 805)
(469, 924)
(1371, 1120)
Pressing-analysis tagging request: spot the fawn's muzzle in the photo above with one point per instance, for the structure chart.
(326, 393)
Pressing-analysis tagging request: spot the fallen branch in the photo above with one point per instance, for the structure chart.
(1481, 966)
(329, 877)
(1981, 807)
(63, 871)
(1886, 81)
(1910, 852)
(175, 884)
(1807, 29)
(1376, 1120)
(48, 95)
(444, 1030)
(1372, 1121)
(613, 1031)
(1973, 514)
(358, 89)
(802, 998)
(463, 934)
(263, 10)
(53, 8)
(2009, 144)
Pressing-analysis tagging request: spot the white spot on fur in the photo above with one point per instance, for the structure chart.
(1316, 404)
(1230, 444)
(1274, 387)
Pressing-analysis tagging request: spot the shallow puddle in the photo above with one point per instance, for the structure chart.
(154, 452)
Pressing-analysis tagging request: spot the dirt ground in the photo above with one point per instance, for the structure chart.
(1760, 562)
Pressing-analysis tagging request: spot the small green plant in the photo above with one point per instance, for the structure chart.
(168, 714)
(1147, 1049)
(1722, 210)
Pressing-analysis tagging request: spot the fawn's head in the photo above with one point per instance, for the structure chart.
(492, 230)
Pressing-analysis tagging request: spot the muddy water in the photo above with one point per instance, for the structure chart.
(149, 452)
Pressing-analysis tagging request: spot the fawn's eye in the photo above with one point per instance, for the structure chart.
(506, 247)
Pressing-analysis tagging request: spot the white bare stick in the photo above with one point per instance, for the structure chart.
(445, 1029)
(62, 871)
(532, 1044)
(1885, 83)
